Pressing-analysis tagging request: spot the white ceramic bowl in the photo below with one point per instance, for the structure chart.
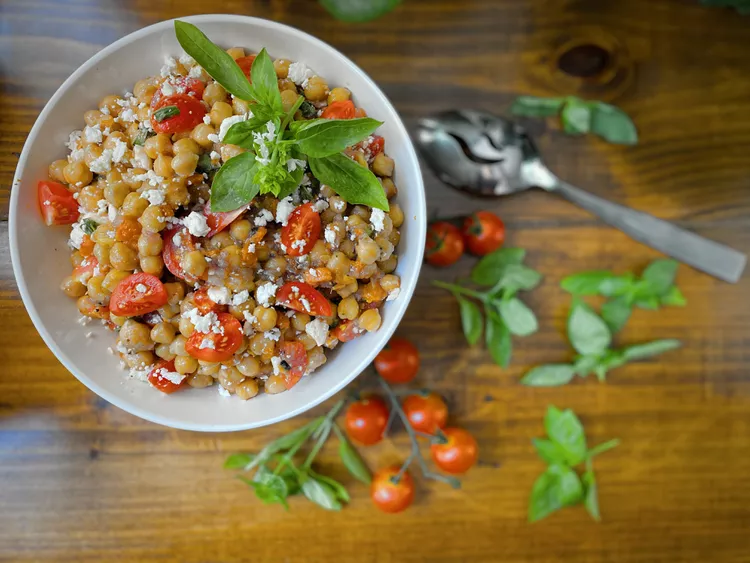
(41, 257)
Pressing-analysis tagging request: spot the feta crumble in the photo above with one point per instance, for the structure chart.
(393, 294)
(318, 331)
(141, 288)
(240, 298)
(263, 218)
(284, 210)
(219, 295)
(376, 220)
(264, 293)
(170, 65)
(92, 134)
(229, 121)
(300, 73)
(273, 334)
(196, 224)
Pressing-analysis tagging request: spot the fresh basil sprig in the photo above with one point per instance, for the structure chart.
(356, 11)
(355, 183)
(326, 137)
(654, 288)
(504, 313)
(88, 226)
(581, 116)
(563, 449)
(591, 338)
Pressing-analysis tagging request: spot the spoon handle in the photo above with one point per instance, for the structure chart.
(706, 255)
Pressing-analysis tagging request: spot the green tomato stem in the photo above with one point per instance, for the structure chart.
(601, 448)
(463, 290)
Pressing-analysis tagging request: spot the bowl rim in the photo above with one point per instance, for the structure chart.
(405, 295)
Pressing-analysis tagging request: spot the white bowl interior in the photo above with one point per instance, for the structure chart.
(41, 257)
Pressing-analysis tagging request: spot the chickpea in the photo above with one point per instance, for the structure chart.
(144, 88)
(199, 380)
(389, 188)
(117, 320)
(208, 368)
(157, 145)
(115, 193)
(104, 234)
(388, 266)
(219, 112)
(110, 102)
(89, 308)
(249, 366)
(281, 66)
(200, 135)
(72, 288)
(397, 215)
(133, 205)
(276, 266)
(337, 203)
(140, 359)
(163, 351)
(150, 244)
(260, 345)
(92, 117)
(163, 333)
(339, 95)
(76, 258)
(186, 145)
(319, 253)
(122, 257)
(56, 170)
(163, 166)
(229, 377)
(300, 320)
(382, 165)
(265, 318)
(175, 292)
(386, 248)
(359, 157)
(369, 320)
(236, 52)
(77, 174)
(316, 89)
(246, 389)
(154, 218)
(101, 253)
(274, 384)
(231, 256)
(288, 99)
(230, 151)
(186, 327)
(348, 308)
(347, 289)
(367, 250)
(184, 163)
(135, 336)
(194, 263)
(153, 265)
(362, 212)
(213, 93)
(395, 237)
(307, 341)
(177, 193)
(177, 346)
(390, 282)
(185, 364)
(339, 264)
(240, 229)
(240, 107)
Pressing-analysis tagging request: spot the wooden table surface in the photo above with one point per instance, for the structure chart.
(80, 480)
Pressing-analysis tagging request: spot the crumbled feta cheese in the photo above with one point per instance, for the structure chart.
(127, 115)
(187, 60)
(229, 121)
(207, 119)
(213, 138)
(140, 373)
(76, 236)
(167, 89)
(73, 140)
(299, 73)
(273, 334)
(104, 110)
(330, 234)
(223, 392)
(240, 298)
(320, 206)
(103, 163)
(207, 343)
(149, 176)
(118, 152)
(141, 288)
(376, 219)
(140, 158)
(263, 218)
(299, 244)
(204, 323)
(393, 295)
(92, 134)
(276, 363)
(251, 247)
(264, 293)
(154, 197)
(196, 71)
(196, 224)
(305, 304)
(170, 65)
(219, 295)
(111, 213)
(171, 376)
(318, 331)
(284, 210)
(215, 155)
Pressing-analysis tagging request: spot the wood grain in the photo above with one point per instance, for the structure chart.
(82, 481)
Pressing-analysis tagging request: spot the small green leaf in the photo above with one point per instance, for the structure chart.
(650, 303)
(308, 110)
(265, 86)
(353, 462)
(241, 134)
(531, 106)
(674, 297)
(549, 375)
(557, 487)
(519, 319)
(238, 461)
(660, 275)
(587, 332)
(234, 184)
(613, 125)
(586, 283)
(88, 226)
(616, 313)
(584, 365)
(142, 136)
(649, 349)
(576, 116)
(320, 493)
(338, 489)
(285, 442)
(564, 428)
(498, 340)
(591, 501)
(517, 277)
(357, 11)
(166, 112)
(324, 137)
(471, 319)
(617, 285)
(601, 448)
(354, 183)
(269, 488)
(548, 450)
(490, 268)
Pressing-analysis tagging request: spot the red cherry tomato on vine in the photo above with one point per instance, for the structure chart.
(444, 245)
(426, 413)
(458, 453)
(484, 232)
(391, 495)
(398, 362)
(366, 420)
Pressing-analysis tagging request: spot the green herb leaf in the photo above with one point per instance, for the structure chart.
(613, 125)
(531, 106)
(617, 285)
(549, 375)
(357, 11)
(269, 488)
(354, 183)
(548, 450)
(519, 319)
(166, 112)
(238, 461)
(241, 134)
(556, 488)
(587, 332)
(517, 277)
(489, 269)
(308, 110)
(88, 226)
(142, 135)
(498, 340)
(674, 297)
(564, 428)
(290, 185)
(616, 313)
(471, 320)
(214, 60)
(320, 493)
(285, 442)
(659, 276)
(586, 283)
(353, 462)
(205, 164)
(324, 137)
(601, 448)
(338, 489)
(591, 501)
(649, 349)
(265, 85)
(576, 116)
(234, 184)
(650, 303)
(584, 365)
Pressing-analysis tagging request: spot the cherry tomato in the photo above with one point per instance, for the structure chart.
(178, 242)
(85, 270)
(294, 354)
(484, 232)
(128, 231)
(205, 304)
(191, 112)
(184, 85)
(376, 146)
(366, 420)
(459, 452)
(157, 379)
(426, 412)
(87, 246)
(398, 362)
(246, 64)
(137, 294)
(219, 221)
(57, 204)
(213, 347)
(346, 331)
(389, 495)
(302, 230)
(445, 245)
(303, 297)
(339, 110)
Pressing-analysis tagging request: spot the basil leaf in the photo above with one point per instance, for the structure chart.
(324, 137)
(308, 110)
(166, 112)
(88, 226)
(659, 275)
(320, 493)
(238, 461)
(214, 60)
(354, 183)
(650, 303)
(205, 164)
(587, 332)
(291, 183)
(616, 313)
(241, 134)
(617, 285)
(490, 268)
(586, 283)
(674, 297)
(556, 488)
(564, 428)
(576, 116)
(649, 349)
(519, 319)
(471, 320)
(269, 488)
(548, 450)
(613, 125)
(591, 500)
(353, 462)
(498, 341)
(584, 365)
(531, 106)
(549, 375)
(142, 136)
(357, 11)
(265, 85)
(234, 184)
(517, 277)
(338, 489)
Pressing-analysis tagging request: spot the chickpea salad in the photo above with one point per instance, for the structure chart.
(231, 219)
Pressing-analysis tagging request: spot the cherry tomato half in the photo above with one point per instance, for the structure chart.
(57, 204)
(426, 412)
(366, 420)
(214, 347)
(83, 272)
(177, 243)
(445, 245)
(219, 221)
(390, 495)
(302, 230)
(303, 297)
(484, 232)
(294, 354)
(190, 113)
(246, 65)
(346, 331)
(458, 453)
(138, 294)
(398, 362)
(205, 304)
(156, 377)
(339, 110)
(183, 85)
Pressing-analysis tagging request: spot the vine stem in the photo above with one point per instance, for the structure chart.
(481, 296)
(415, 452)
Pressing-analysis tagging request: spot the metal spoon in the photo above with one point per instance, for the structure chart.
(487, 155)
